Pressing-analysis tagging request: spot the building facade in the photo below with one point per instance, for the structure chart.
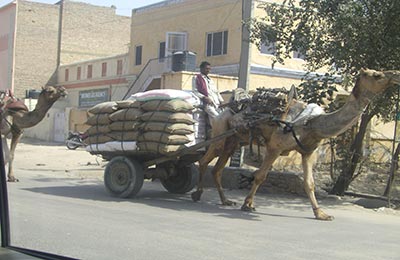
(37, 39)
(91, 82)
(7, 32)
(213, 30)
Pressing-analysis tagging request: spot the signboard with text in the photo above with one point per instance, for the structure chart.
(89, 98)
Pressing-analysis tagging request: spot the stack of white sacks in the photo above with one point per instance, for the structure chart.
(156, 121)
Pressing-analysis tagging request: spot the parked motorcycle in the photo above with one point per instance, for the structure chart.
(75, 140)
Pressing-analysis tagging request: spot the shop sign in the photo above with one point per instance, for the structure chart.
(89, 98)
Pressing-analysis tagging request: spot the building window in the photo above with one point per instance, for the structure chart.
(161, 52)
(89, 71)
(119, 67)
(104, 69)
(175, 41)
(299, 55)
(217, 43)
(78, 73)
(66, 74)
(138, 55)
(268, 48)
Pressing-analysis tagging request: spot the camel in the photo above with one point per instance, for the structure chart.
(309, 132)
(17, 118)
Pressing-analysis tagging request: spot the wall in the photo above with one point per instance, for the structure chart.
(77, 119)
(258, 81)
(36, 46)
(90, 32)
(7, 21)
(45, 129)
(96, 69)
(258, 58)
(184, 80)
(116, 84)
(196, 18)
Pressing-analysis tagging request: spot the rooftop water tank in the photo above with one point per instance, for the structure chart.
(183, 61)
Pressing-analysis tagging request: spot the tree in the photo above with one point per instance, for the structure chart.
(341, 37)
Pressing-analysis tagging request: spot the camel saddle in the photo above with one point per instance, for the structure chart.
(9, 102)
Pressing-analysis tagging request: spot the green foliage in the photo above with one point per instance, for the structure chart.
(319, 90)
(340, 37)
(345, 34)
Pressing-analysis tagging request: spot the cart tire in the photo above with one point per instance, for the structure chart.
(123, 177)
(184, 181)
(71, 144)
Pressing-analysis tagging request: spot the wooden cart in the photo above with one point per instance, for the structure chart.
(126, 171)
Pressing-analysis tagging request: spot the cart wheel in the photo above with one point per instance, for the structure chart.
(123, 177)
(185, 180)
(73, 143)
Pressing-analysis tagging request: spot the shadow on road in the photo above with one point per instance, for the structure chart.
(151, 195)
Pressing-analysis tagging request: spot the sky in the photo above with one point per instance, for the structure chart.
(124, 7)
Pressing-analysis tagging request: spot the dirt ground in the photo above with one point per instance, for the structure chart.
(39, 156)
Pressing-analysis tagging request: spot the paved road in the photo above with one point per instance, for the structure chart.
(67, 212)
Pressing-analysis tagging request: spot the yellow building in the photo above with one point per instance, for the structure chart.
(213, 30)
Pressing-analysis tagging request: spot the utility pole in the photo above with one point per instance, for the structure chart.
(244, 64)
(60, 25)
(244, 68)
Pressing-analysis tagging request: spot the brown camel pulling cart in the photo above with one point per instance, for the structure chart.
(307, 126)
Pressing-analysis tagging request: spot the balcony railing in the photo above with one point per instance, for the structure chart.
(153, 69)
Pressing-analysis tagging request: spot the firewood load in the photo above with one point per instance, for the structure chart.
(264, 106)
(268, 102)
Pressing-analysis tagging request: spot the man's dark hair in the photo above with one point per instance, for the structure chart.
(204, 64)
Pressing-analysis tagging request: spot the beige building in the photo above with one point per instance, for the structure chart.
(36, 38)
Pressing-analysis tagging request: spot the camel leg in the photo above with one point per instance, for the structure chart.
(259, 177)
(217, 174)
(309, 187)
(203, 164)
(15, 137)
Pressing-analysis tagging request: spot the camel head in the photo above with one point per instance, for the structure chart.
(375, 82)
(51, 94)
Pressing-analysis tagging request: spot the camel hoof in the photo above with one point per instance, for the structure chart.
(228, 203)
(247, 208)
(320, 215)
(326, 218)
(196, 195)
(13, 179)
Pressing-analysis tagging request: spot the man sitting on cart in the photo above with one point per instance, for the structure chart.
(207, 91)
